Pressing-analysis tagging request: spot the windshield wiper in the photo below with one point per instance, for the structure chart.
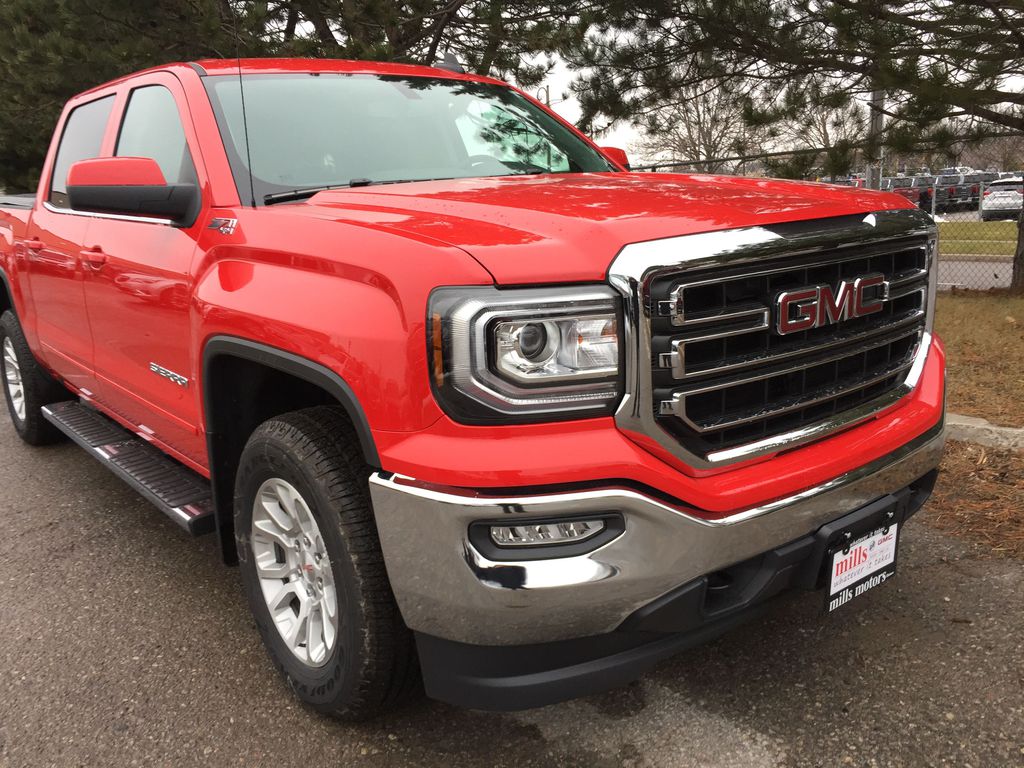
(307, 192)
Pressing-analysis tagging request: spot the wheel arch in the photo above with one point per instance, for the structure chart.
(244, 384)
(6, 295)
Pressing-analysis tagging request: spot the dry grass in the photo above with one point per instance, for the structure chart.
(984, 336)
(980, 497)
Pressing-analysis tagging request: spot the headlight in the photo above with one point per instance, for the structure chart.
(527, 354)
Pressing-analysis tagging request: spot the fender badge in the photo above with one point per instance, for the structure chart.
(224, 226)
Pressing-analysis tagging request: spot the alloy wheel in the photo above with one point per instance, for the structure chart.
(295, 572)
(13, 380)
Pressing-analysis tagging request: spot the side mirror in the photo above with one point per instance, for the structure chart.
(130, 186)
(617, 156)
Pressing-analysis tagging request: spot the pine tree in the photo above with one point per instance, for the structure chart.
(53, 49)
(933, 59)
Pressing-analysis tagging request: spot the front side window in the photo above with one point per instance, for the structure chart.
(82, 140)
(152, 128)
(306, 131)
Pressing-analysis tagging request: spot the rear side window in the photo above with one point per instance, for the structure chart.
(152, 128)
(82, 140)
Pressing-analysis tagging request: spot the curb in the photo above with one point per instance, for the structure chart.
(975, 430)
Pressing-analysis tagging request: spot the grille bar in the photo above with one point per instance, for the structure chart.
(714, 372)
(674, 359)
(677, 405)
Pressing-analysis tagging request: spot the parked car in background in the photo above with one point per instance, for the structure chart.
(952, 192)
(915, 189)
(1003, 199)
(974, 183)
(896, 183)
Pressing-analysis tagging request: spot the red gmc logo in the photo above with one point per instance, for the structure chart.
(820, 305)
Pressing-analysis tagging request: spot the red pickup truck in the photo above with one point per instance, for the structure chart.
(466, 400)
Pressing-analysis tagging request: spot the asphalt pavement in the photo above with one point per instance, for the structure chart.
(122, 642)
(974, 274)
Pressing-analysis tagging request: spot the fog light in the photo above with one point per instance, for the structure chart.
(542, 534)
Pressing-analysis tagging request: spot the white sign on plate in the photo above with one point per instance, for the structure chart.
(865, 564)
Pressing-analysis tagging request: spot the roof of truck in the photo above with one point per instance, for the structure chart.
(341, 66)
(206, 67)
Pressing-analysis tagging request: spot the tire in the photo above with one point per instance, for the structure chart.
(27, 386)
(372, 663)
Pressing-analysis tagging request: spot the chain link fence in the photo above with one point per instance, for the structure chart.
(977, 211)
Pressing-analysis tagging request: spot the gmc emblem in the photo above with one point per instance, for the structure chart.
(820, 305)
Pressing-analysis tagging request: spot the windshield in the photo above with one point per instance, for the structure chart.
(308, 131)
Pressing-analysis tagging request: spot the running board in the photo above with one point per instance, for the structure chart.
(177, 491)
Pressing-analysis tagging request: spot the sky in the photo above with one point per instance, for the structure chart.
(621, 135)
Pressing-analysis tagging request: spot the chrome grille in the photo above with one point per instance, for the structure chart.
(716, 382)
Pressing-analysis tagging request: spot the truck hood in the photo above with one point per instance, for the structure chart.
(569, 227)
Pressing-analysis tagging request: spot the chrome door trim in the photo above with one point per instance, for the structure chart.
(114, 216)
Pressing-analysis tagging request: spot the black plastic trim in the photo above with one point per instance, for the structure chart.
(198, 68)
(511, 678)
(303, 368)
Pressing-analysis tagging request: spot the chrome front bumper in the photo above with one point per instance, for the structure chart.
(446, 588)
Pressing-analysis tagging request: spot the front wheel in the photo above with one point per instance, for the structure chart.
(27, 386)
(313, 570)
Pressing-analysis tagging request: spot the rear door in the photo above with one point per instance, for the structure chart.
(139, 298)
(53, 245)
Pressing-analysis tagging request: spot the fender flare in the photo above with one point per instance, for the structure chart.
(286, 362)
(300, 367)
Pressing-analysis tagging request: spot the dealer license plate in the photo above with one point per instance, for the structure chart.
(861, 566)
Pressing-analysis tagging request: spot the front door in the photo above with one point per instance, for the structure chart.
(138, 291)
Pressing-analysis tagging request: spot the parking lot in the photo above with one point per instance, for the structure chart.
(124, 643)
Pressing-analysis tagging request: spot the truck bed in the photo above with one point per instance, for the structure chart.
(17, 201)
(15, 211)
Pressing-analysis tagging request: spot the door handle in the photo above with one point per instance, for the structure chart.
(35, 245)
(94, 258)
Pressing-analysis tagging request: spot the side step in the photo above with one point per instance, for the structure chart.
(177, 491)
